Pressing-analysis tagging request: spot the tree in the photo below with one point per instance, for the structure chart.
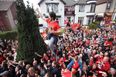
(29, 38)
(94, 25)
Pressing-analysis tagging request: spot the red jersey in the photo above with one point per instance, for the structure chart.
(106, 66)
(66, 73)
(1, 59)
(108, 43)
(53, 24)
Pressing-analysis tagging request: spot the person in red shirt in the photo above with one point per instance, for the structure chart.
(103, 66)
(91, 61)
(45, 57)
(75, 26)
(87, 42)
(75, 65)
(106, 64)
(108, 43)
(53, 30)
(65, 72)
(1, 58)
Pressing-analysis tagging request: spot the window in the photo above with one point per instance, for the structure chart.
(90, 19)
(81, 8)
(80, 20)
(52, 7)
(92, 8)
(108, 5)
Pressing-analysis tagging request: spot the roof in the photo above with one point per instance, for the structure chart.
(5, 5)
(81, 2)
(103, 1)
(44, 0)
(70, 2)
(74, 2)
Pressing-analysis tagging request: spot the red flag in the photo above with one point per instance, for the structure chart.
(75, 26)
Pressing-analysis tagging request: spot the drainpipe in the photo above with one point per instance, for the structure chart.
(113, 15)
(75, 5)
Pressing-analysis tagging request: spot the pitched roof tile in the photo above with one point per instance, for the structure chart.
(5, 5)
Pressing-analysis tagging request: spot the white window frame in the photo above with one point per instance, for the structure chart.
(51, 8)
(82, 8)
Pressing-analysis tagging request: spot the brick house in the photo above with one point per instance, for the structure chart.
(7, 15)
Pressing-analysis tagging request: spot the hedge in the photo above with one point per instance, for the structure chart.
(9, 35)
(94, 25)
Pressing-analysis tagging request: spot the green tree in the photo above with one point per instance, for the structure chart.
(94, 25)
(29, 38)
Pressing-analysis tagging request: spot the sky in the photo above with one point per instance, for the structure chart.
(35, 5)
(34, 2)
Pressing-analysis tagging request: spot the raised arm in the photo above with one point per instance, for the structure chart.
(39, 14)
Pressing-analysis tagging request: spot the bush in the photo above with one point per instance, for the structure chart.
(9, 35)
(94, 25)
(115, 20)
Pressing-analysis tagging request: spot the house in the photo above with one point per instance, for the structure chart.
(70, 10)
(113, 10)
(101, 7)
(85, 11)
(56, 6)
(106, 7)
(7, 15)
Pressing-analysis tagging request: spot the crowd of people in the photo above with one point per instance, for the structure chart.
(78, 53)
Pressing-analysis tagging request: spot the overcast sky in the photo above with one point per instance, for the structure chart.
(34, 2)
